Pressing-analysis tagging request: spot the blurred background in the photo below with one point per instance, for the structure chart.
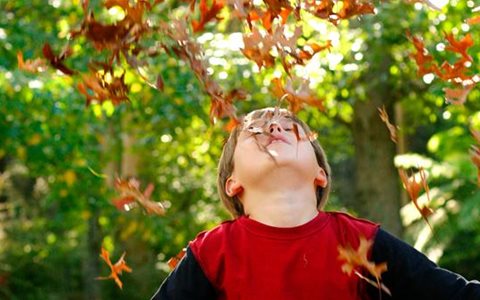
(59, 157)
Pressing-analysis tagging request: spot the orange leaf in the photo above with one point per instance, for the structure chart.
(460, 46)
(173, 262)
(473, 20)
(413, 188)
(32, 66)
(115, 269)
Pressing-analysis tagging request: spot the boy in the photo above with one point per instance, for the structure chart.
(274, 178)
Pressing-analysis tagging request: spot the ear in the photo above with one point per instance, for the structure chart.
(321, 178)
(233, 187)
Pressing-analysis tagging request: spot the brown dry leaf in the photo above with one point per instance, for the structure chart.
(457, 96)
(31, 65)
(358, 259)
(423, 60)
(413, 188)
(296, 98)
(115, 269)
(207, 14)
(57, 61)
(103, 86)
(391, 128)
(257, 47)
(130, 190)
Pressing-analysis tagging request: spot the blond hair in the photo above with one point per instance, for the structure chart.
(226, 164)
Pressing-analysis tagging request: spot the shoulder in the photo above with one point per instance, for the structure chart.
(350, 228)
(212, 239)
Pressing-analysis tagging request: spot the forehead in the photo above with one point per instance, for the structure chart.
(263, 117)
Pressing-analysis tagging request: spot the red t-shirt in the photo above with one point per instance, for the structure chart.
(245, 259)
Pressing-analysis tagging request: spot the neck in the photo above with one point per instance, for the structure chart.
(281, 208)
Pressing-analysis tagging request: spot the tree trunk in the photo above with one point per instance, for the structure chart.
(377, 195)
(92, 261)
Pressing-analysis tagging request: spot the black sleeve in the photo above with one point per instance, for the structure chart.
(187, 281)
(411, 275)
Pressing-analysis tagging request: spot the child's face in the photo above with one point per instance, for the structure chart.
(269, 143)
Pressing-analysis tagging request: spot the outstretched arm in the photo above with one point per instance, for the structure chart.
(411, 275)
(187, 281)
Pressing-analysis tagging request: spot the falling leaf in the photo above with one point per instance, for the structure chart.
(115, 269)
(423, 59)
(391, 128)
(207, 14)
(459, 46)
(473, 20)
(296, 97)
(33, 66)
(413, 188)
(457, 96)
(358, 259)
(130, 192)
(173, 262)
(57, 61)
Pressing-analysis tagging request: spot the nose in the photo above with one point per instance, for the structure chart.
(275, 127)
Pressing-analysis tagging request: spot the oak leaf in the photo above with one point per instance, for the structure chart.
(130, 191)
(116, 269)
(391, 128)
(31, 65)
(356, 260)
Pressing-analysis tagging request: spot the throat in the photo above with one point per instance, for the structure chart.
(282, 211)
